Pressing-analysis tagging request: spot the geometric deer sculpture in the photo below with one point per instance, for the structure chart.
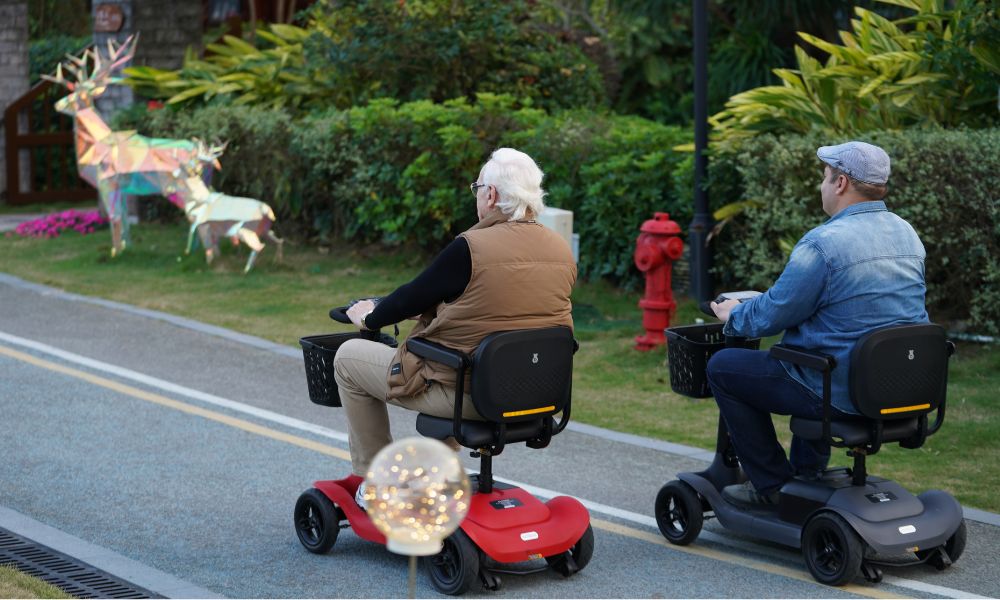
(214, 215)
(117, 163)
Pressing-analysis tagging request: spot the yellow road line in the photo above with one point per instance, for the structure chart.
(301, 442)
(181, 406)
(800, 575)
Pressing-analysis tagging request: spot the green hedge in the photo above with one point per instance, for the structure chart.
(399, 173)
(945, 183)
(256, 161)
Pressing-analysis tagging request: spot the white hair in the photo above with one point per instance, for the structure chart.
(518, 182)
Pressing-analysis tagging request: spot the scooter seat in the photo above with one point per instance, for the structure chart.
(479, 434)
(855, 432)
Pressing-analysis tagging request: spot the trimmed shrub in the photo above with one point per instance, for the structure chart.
(943, 182)
(399, 173)
(256, 162)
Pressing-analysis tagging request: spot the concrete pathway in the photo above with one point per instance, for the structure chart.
(9, 222)
(180, 448)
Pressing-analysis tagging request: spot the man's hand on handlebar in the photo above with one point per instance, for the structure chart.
(723, 309)
(358, 311)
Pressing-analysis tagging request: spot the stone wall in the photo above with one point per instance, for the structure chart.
(13, 68)
(165, 30)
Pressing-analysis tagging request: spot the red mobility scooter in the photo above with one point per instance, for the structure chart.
(520, 380)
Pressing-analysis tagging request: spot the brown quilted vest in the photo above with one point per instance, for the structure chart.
(522, 276)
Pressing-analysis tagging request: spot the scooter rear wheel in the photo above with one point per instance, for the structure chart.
(832, 549)
(679, 513)
(578, 556)
(955, 546)
(317, 521)
(455, 569)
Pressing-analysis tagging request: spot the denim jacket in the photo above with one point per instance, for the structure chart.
(861, 270)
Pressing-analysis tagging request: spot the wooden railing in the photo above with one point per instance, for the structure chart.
(38, 134)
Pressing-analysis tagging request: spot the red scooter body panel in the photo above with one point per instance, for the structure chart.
(341, 492)
(511, 525)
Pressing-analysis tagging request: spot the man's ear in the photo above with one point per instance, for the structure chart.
(842, 184)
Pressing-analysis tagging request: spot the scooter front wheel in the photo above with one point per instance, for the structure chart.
(317, 521)
(955, 546)
(455, 569)
(576, 558)
(832, 549)
(679, 513)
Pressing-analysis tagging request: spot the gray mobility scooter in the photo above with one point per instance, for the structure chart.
(844, 520)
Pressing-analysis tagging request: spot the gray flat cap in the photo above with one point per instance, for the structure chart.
(860, 160)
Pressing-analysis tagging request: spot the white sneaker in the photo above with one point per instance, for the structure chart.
(359, 497)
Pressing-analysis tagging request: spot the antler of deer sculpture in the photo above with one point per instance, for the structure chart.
(214, 215)
(117, 163)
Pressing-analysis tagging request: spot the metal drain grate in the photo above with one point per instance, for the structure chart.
(66, 573)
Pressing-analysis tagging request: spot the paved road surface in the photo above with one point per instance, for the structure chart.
(177, 450)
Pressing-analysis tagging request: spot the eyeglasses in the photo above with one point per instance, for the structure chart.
(475, 187)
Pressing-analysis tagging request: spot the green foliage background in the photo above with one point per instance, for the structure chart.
(937, 65)
(348, 54)
(398, 173)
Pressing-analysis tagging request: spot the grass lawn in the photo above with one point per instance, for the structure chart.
(15, 584)
(614, 386)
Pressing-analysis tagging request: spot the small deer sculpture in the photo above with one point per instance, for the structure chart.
(214, 215)
(117, 163)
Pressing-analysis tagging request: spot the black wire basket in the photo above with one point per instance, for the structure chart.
(319, 352)
(689, 348)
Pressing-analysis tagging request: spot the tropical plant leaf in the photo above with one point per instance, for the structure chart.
(189, 93)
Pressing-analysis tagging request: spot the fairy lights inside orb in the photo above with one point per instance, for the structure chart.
(417, 494)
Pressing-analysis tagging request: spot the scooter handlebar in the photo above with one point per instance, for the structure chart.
(742, 296)
(339, 314)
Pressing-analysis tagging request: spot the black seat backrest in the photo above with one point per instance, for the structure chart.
(524, 374)
(899, 372)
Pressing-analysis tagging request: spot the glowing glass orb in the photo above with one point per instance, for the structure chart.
(417, 494)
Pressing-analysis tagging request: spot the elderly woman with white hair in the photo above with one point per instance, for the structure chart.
(506, 272)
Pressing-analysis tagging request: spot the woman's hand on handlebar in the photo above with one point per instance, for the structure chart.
(358, 311)
(723, 309)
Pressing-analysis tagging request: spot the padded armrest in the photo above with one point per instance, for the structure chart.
(438, 353)
(806, 358)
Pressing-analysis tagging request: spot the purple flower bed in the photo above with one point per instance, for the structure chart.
(52, 225)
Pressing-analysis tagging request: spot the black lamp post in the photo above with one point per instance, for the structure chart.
(701, 224)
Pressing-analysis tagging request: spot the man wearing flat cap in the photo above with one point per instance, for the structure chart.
(863, 269)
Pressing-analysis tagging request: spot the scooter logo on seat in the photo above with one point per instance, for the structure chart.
(534, 358)
(911, 355)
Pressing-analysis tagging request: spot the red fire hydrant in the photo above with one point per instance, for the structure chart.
(656, 249)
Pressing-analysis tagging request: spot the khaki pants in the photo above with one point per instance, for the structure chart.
(361, 369)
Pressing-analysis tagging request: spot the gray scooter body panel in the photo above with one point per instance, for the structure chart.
(939, 518)
(879, 512)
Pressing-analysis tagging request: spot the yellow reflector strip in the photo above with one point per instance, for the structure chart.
(889, 411)
(518, 413)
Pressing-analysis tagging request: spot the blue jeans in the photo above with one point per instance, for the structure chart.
(749, 385)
